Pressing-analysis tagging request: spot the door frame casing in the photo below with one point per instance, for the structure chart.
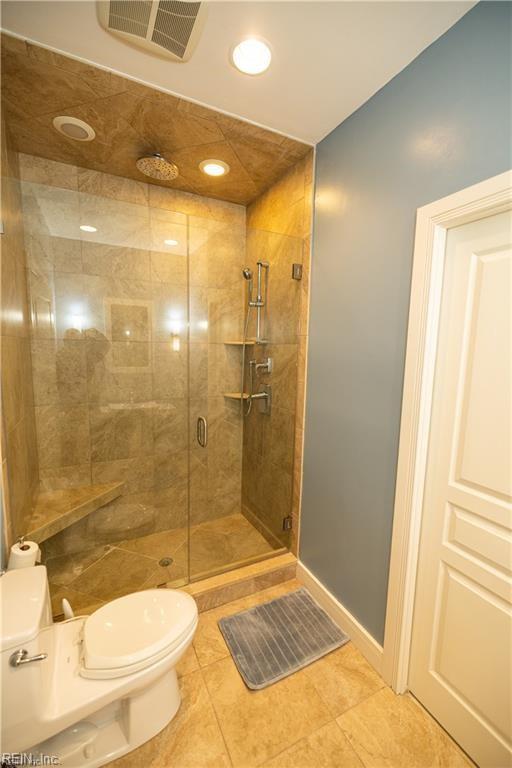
(432, 224)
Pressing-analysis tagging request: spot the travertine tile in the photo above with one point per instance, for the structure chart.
(212, 599)
(115, 261)
(64, 477)
(40, 170)
(344, 678)
(325, 748)
(115, 187)
(131, 354)
(157, 545)
(171, 469)
(192, 740)
(170, 432)
(252, 736)
(117, 573)
(220, 542)
(62, 435)
(57, 510)
(136, 473)
(390, 731)
(188, 663)
(129, 322)
(59, 372)
(107, 385)
(169, 267)
(170, 370)
(225, 313)
(120, 433)
(170, 310)
(128, 118)
(17, 396)
(208, 641)
(64, 569)
(195, 205)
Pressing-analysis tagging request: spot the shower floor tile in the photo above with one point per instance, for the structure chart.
(90, 578)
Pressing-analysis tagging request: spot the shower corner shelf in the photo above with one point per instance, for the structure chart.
(56, 510)
(236, 395)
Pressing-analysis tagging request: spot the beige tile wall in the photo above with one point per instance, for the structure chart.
(19, 457)
(111, 351)
(278, 231)
(110, 406)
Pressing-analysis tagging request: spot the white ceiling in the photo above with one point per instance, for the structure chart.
(328, 57)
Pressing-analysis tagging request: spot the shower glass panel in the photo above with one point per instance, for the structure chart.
(269, 433)
(108, 283)
(220, 536)
(138, 314)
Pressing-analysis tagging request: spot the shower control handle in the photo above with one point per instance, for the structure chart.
(265, 366)
(202, 432)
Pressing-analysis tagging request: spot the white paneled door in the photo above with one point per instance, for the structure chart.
(460, 667)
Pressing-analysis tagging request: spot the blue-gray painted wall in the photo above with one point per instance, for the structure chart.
(440, 125)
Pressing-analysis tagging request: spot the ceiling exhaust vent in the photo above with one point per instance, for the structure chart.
(168, 28)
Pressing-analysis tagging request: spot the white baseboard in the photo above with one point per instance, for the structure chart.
(364, 642)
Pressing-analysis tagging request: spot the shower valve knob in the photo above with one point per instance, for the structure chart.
(265, 366)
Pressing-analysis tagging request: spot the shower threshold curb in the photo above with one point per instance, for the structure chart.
(240, 582)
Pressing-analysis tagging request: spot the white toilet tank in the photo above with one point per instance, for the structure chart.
(25, 612)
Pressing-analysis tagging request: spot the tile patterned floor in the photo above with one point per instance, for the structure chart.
(336, 713)
(89, 578)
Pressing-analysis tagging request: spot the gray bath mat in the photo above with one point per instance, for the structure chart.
(273, 640)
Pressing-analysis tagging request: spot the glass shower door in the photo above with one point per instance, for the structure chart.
(216, 250)
(221, 535)
(109, 306)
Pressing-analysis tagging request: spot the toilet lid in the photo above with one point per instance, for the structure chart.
(136, 627)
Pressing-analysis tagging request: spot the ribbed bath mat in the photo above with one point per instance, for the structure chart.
(272, 640)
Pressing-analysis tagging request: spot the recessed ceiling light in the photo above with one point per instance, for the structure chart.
(214, 167)
(252, 56)
(73, 128)
(87, 228)
(171, 242)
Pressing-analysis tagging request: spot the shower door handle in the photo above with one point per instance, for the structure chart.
(202, 432)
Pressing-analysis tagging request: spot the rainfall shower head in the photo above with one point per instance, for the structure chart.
(157, 167)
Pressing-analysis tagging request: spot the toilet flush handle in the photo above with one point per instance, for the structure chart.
(21, 657)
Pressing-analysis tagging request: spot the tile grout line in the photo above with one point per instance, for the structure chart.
(351, 747)
(212, 704)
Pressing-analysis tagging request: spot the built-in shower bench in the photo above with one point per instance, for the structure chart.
(56, 510)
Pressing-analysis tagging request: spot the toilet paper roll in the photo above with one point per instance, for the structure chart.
(23, 555)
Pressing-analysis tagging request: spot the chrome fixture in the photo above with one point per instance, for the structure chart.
(261, 294)
(202, 432)
(20, 657)
(259, 303)
(265, 396)
(247, 275)
(261, 299)
(264, 367)
(157, 167)
(264, 399)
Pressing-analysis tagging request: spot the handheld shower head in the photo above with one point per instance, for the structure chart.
(247, 275)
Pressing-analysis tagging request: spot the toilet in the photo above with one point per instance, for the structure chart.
(90, 689)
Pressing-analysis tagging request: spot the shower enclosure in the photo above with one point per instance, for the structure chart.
(155, 374)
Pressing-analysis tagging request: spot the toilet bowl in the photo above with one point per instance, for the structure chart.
(89, 689)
